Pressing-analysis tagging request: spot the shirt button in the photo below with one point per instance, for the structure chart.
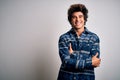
(74, 78)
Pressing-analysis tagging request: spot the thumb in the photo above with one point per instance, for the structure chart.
(70, 47)
(96, 54)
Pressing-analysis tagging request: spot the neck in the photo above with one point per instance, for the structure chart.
(79, 31)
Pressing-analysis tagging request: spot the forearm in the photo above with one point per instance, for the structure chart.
(75, 62)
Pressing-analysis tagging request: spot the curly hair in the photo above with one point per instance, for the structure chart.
(77, 8)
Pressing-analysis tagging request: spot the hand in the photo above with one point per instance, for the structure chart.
(96, 61)
(70, 49)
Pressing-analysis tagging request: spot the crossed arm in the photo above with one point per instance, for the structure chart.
(95, 60)
(66, 51)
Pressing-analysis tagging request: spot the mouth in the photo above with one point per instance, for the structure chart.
(78, 23)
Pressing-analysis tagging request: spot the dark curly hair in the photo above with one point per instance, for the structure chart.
(76, 8)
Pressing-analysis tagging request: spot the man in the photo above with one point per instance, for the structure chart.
(78, 48)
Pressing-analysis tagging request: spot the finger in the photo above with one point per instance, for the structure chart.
(99, 64)
(70, 46)
(96, 54)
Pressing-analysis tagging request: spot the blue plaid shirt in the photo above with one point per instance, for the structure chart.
(78, 65)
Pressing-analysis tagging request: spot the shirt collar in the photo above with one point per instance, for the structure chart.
(86, 31)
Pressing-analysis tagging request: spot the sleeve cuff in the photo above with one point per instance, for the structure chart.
(88, 62)
(80, 64)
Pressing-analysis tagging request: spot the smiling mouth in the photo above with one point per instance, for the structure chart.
(78, 23)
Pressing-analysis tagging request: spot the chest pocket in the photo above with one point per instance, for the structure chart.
(85, 46)
(85, 49)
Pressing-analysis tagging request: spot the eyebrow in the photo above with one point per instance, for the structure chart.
(78, 15)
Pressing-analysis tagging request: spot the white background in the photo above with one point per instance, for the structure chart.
(29, 33)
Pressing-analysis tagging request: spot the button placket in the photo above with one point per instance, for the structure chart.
(74, 78)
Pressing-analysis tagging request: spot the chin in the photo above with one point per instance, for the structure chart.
(77, 27)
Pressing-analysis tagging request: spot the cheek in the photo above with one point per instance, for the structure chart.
(72, 21)
(83, 19)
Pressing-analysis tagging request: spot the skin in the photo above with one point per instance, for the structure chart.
(77, 23)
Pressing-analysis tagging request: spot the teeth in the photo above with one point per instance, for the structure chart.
(78, 23)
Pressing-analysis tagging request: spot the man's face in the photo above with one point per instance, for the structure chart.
(77, 20)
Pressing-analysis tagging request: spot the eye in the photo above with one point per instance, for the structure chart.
(73, 17)
(80, 16)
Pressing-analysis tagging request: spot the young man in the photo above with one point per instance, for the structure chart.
(78, 48)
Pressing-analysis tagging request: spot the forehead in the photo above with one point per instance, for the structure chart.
(77, 13)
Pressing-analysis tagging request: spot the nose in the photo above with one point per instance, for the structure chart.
(77, 18)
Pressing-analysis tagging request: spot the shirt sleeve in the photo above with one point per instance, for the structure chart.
(70, 61)
(95, 48)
